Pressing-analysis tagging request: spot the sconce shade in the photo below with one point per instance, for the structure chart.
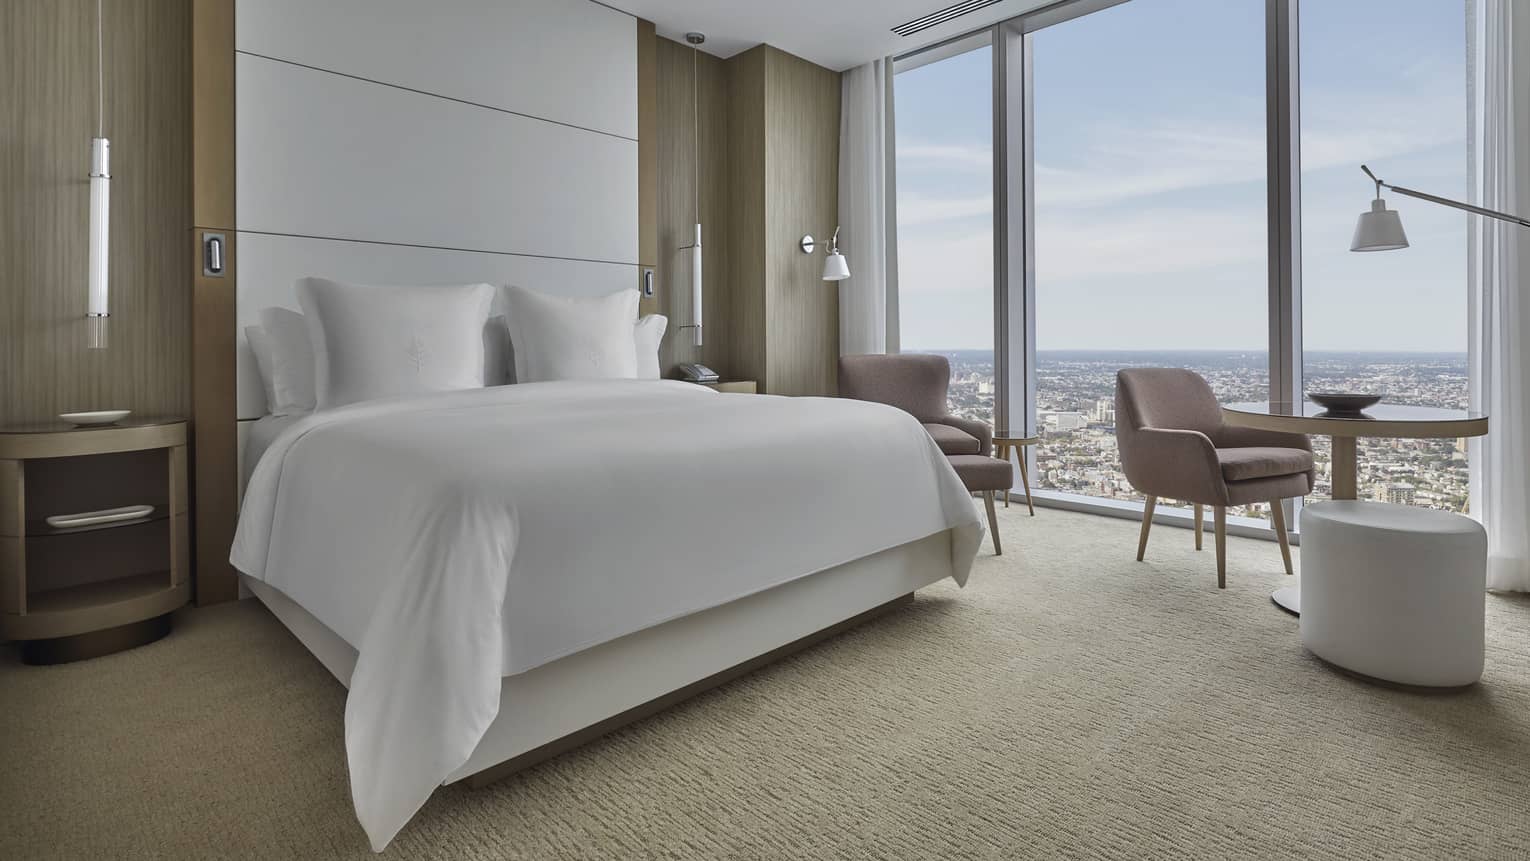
(1379, 230)
(696, 291)
(835, 268)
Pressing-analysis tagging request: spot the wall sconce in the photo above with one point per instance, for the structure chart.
(834, 266)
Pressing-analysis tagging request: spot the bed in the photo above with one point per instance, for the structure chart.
(499, 573)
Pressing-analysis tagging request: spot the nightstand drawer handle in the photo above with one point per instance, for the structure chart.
(93, 518)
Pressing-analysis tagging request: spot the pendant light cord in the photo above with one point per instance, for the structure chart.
(100, 75)
(695, 134)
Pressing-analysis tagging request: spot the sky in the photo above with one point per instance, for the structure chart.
(1150, 180)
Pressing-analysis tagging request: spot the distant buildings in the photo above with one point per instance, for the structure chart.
(1397, 493)
(1075, 415)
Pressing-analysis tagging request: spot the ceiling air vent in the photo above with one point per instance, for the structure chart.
(925, 22)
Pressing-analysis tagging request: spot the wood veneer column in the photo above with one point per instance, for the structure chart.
(214, 420)
(648, 157)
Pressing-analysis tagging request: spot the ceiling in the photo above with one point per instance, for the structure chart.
(838, 34)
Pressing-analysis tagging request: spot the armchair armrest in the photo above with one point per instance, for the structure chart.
(1178, 464)
(1232, 436)
(972, 427)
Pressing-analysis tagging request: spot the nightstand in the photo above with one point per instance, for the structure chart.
(734, 387)
(70, 591)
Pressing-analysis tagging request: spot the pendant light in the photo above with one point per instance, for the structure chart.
(100, 205)
(695, 39)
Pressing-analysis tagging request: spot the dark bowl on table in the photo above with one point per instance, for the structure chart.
(1343, 404)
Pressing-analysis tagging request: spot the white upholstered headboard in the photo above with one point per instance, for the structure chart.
(399, 141)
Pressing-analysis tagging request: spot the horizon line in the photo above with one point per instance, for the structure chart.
(1391, 352)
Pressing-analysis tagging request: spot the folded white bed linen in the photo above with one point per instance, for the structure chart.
(459, 537)
(259, 435)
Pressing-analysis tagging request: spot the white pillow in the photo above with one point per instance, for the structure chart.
(291, 383)
(386, 341)
(260, 347)
(648, 333)
(558, 338)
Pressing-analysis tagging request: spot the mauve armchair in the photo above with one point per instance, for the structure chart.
(1174, 444)
(917, 383)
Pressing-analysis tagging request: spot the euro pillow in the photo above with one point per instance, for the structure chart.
(260, 348)
(374, 341)
(290, 386)
(565, 338)
(648, 333)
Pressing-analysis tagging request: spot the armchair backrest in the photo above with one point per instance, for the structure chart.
(913, 382)
(1171, 398)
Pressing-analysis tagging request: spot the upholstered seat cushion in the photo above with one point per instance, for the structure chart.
(1242, 464)
(979, 472)
(953, 440)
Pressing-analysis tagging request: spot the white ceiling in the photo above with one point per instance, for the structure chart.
(838, 34)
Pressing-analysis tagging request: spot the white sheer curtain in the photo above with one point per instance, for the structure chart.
(863, 138)
(1499, 262)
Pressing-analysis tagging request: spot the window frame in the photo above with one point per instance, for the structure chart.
(1014, 285)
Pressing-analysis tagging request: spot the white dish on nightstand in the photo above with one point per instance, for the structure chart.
(99, 417)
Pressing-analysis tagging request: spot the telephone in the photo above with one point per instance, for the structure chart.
(695, 372)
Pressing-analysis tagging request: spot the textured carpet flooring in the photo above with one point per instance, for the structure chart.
(1069, 703)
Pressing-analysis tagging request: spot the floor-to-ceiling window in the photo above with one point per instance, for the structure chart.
(944, 125)
(1387, 322)
(1150, 231)
(1155, 226)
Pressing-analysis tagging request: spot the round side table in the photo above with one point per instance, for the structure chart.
(1003, 446)
(93, 536)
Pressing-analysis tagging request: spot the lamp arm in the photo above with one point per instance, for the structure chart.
(1456, 204)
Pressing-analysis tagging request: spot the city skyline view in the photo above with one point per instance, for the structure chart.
(1075, 415)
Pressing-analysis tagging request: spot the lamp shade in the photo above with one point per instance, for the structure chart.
(1379, 230)
(835, 268)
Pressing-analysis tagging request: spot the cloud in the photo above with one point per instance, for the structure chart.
(915, 210)
(963, 156)
(962, 262)
(1148, 241)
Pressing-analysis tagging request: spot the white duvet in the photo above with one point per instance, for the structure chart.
(457, 538)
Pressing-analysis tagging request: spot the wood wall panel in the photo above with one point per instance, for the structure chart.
(648, 157)
(783, 150)
(802, 175)
(746, 212)
(214, 450)
(676, 198)
(47, 118)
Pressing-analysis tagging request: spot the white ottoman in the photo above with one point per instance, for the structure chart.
(1394, 592)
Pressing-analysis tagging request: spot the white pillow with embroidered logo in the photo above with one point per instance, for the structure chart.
(376, 341)
(565, 338)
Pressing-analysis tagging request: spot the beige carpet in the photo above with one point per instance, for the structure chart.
(1069, 703)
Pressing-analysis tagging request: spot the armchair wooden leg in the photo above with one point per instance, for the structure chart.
(1147, 524)
(993, 523)
(1278, 515)
(1219, 513)
(1200, 523)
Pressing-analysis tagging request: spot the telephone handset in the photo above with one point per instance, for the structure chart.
(696, 372)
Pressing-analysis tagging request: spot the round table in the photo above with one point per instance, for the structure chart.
(1005, 443)
(1382, 420)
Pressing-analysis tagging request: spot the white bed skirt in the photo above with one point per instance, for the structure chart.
(559, 698)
